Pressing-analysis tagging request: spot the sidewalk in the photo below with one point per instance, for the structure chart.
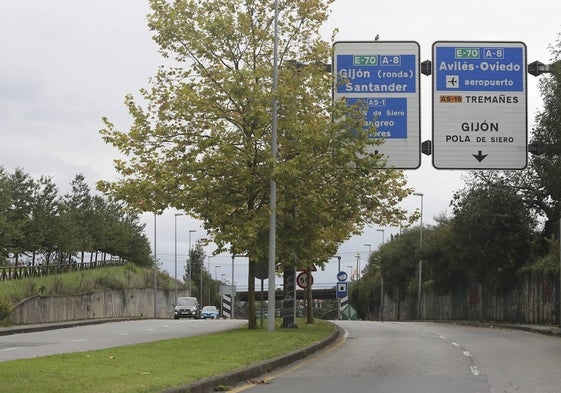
(549, 330)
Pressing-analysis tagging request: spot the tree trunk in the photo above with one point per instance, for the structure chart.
(309, 300)
(251, 315)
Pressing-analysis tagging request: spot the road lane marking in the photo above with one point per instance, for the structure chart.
(79, 340)
(474, 370)
(11, 349)
(466, 353)
(301, 363)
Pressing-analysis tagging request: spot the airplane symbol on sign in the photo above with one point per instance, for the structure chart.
(452, 81)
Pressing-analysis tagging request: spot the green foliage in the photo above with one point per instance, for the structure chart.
(125, 369)
(495, 229)
(5, 308)
(203, 142)
(110, 281)
(36, 220)
(84, 281)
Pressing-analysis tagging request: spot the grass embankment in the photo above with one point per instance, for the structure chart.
(153, 367)
(128, 276)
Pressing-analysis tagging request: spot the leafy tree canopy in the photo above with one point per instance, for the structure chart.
(201, 144)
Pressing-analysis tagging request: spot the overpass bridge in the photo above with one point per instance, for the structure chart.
(320, 291)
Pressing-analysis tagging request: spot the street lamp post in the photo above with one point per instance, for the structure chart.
(189, 259)
(420, 259)
(357, 265)
(175, 254)
(383, 234)
(338, 300)
(369, 250)
(209, 278)
(381, 282)
(271, 306)
(351, 270)
(216, 278)
(155, 271)
(215, 271)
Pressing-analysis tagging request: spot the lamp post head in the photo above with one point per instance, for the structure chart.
(418, 194)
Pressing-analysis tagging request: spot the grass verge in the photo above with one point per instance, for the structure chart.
(153, 367)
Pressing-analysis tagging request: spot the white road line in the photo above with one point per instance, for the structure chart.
(466, 353)
(456, 344)
(474, 370)
(79, 340)
(123, 334)
(11, 349)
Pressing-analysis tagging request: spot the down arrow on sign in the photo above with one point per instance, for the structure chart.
(479, 157)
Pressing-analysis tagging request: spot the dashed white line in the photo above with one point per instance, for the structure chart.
(474, 370)
(466, 353)
(11, 349)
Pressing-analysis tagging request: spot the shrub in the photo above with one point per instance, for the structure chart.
(5, 308)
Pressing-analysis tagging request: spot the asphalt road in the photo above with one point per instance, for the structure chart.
(90, 337)
(401, 357)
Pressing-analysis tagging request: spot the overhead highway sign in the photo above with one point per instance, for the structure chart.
(479, 105)
(384, 76)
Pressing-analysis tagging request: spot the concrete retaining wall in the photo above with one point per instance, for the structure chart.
(128, 303)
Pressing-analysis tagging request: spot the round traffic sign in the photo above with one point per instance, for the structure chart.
(302, 280)
(342, 276)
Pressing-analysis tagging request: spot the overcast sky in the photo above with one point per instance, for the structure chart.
(64, 64)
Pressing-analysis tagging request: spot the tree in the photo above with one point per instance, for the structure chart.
(495, 229)
(44, 225)
(194, 269)
(19, 211)
(544, 183)
(202, 143)
(6, 228)
(79, 203)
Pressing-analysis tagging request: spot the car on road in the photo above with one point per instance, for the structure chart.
(209, 312)
(186, 307)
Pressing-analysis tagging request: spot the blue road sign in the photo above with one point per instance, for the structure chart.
(479, 105)
(342, 276)
(383, 78)
(342, 289)
(479, 69)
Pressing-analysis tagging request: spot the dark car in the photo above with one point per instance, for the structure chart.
(209, 312)
(186, 307)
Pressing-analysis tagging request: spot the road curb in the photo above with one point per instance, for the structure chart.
(547, 330)
(235, 377)
(6, 331)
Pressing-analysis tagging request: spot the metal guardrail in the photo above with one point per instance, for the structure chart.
(20, 272)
